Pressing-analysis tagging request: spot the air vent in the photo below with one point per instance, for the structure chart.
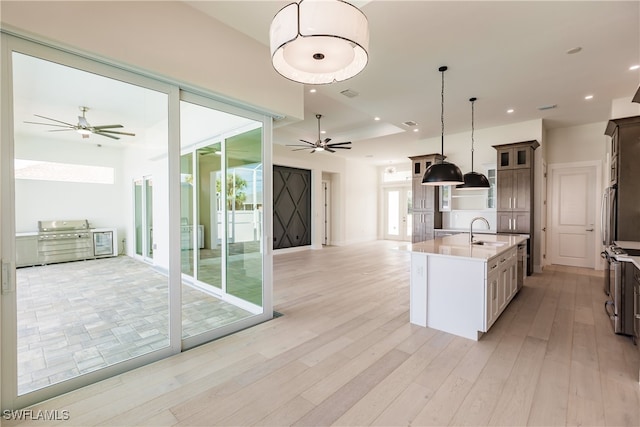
(547, 107)
(350, 93)
(410, 123)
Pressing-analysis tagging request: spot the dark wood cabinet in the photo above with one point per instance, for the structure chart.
(624, 175)
(514, 190)
(425, 212)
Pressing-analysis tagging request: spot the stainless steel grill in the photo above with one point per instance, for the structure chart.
(60, 241)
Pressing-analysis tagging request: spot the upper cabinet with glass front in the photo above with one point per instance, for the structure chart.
(515, 156)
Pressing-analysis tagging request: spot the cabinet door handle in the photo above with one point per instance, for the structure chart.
(589, 229)
(509, 223)
(509, 202)
(515, 223)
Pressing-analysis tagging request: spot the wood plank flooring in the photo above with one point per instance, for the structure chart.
(344, 353)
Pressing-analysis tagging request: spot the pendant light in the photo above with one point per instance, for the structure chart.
(319, 41)
(443, 173)
(473, 179)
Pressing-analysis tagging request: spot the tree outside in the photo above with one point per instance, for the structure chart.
(235, 185)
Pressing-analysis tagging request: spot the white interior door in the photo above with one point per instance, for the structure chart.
(573, 212)
(397, 216)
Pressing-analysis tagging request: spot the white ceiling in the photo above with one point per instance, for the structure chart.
(507, 54)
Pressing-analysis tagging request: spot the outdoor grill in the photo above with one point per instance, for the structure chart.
(60, 241)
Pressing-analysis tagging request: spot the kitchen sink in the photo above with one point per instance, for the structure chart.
(486, 243)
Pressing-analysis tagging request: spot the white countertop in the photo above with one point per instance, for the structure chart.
(458, 245)
(627, 244)
(627, 258)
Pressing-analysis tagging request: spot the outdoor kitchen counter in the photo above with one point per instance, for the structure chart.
(461, 288)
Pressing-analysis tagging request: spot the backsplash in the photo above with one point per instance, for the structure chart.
(462, 218)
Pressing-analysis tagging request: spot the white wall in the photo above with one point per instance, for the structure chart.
(577, 143)
(36, 200)
(354, 190)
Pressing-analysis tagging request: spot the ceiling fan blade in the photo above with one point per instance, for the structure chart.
(50, 124)
(313, 151)
(105, 134)
(59, 121)
(296, 145)
(341, 148)
(107, 127)
(339, 143)
(327, 140)
(305, 148)
(102, 132)
(307, 142)
(60, 130)
(329, 150)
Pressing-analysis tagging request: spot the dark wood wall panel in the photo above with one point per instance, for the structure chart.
(291, 207)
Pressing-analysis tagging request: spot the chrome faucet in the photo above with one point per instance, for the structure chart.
(471, 227)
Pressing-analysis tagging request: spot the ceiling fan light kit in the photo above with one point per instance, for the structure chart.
(473, 180)
(443, 173)
(319, 41)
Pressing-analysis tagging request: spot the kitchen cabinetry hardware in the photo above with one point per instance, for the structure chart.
(589, 229)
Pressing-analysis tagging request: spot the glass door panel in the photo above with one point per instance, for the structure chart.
(210, 140)
(397, 213)
(88, 313)
(244, 216)
(186, 214)
(137, 215)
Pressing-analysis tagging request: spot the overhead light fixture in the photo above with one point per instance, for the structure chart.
(473, 179)
(443, 173)
(634, 67)
(319, 41)
(510, 110)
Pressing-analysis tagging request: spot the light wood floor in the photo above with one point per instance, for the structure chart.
(344, 353)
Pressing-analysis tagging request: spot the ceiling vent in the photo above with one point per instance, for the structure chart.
(410, 123)
(349, 93)
(547, 107)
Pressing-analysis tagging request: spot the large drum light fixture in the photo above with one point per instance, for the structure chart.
(319, 41)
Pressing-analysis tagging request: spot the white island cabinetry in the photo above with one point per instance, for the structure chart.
(461, 288)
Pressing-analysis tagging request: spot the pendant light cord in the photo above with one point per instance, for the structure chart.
(473, 100)
(442, 70)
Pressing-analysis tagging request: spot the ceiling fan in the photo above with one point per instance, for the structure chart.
(83, 127)
(320, 145)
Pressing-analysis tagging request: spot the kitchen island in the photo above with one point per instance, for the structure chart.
(462, 288)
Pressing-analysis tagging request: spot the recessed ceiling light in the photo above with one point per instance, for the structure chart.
(588, 97)
(510, 110)
(376, 118)
(323, 131)
(312, 91)
(574, 50)
(634, 67)
(416, 130)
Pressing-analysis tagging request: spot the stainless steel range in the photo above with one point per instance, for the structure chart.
(619, 282)
(60, 241)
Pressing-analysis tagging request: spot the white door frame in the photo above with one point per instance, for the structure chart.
(597, 166)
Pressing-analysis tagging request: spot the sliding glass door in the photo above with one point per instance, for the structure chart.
(183, 212)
